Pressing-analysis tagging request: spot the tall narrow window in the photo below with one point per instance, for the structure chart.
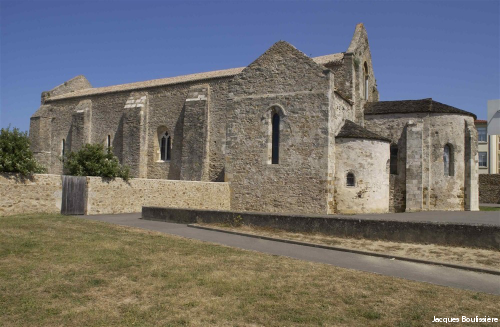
(108, 142)
(394, 160)
(169, 147)
(366, 80)
(350, 180)
(63, 147)
(483, 159)
(448, 160)
(165, 147)
(276, 139)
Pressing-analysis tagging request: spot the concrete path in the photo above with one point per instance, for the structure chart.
(414, 271)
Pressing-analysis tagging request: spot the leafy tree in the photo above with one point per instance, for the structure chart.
(94, 160)
(15, 153)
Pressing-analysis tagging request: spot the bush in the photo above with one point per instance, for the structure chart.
(15, 153)
(94, 160)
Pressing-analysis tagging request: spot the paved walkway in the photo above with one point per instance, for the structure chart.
(414, 271)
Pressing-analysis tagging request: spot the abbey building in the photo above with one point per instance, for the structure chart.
(289, 133)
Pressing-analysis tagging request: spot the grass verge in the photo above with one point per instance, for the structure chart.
(64, 271)
(489, 209)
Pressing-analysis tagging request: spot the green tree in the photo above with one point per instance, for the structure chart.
(15, 153)
(94, 160)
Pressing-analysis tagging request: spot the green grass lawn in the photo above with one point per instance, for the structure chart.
(64, 271)
(489, 209)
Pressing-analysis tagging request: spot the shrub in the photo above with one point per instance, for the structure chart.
(15, 153)
(94, 160)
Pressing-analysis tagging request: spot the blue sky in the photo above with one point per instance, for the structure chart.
(447, 50)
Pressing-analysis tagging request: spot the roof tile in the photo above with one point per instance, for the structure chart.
(412, 106)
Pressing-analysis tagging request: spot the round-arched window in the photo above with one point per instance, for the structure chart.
(350, 180)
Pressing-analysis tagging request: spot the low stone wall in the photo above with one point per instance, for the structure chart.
(106, 196)
(489, 188)
(43, 193)
(481, 236)
(37, 193)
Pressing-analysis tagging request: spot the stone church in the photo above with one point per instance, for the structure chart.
(289, 133)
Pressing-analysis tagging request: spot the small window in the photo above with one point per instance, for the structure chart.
(483, 159)
(481, 134)
(275, 139)
(350, 181)
(165, 147)
(108, 142)
(394, 160)
(63, 148)
(448, 161)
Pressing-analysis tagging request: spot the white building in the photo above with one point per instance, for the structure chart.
(488, 145)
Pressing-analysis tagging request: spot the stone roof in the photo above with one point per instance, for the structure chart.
(152, 83)
(322, 60)
(329, 59)
(412, 106)
(43, 111)
(352, 130)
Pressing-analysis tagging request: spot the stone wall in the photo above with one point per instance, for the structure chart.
(489, 188)
(367, 160)
(469, 235)
(43, 193)
(286, 82)
(421, 138)
(362, 67)
(37, 193)
(118, 196)
(132, 120)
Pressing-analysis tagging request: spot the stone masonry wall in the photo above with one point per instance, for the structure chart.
(287, 82)
(38, 193)
(367, 160)
(108, 114)
(394, 128)
(489, 188)
(118, 196)
(361, 55)
(438, 192)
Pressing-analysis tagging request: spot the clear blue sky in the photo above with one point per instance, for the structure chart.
(447, 50)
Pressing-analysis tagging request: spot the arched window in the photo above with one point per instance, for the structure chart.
(448, 161)
(351, 180)
(165, 147)
(275, 138)
(366, 80)
(394, 160)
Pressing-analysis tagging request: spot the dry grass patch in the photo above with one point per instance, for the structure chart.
(489, 208)
(64, 271)
(450, 254)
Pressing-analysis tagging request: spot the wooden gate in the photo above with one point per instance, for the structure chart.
(74, 195)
